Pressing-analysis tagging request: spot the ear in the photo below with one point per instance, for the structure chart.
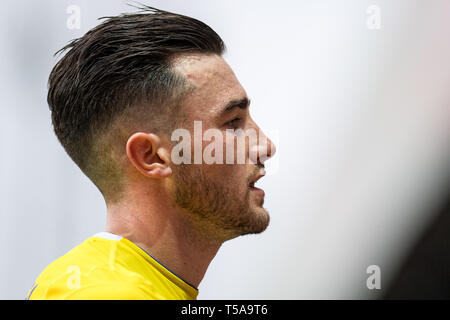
(145, 152)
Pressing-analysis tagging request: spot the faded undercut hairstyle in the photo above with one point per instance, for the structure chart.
(117, 79)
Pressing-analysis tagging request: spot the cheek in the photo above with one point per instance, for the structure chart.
(232, 176)
(235, 176)
(235, 148)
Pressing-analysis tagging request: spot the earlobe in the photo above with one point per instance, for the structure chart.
(146, 154)
(164, 158)
(163, 172)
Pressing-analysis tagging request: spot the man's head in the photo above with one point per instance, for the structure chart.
(123, 88)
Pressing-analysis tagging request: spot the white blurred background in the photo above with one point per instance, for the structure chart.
(359, 105)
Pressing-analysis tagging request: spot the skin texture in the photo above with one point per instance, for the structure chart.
(182, 214)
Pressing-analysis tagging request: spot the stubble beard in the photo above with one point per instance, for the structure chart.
(215, 209)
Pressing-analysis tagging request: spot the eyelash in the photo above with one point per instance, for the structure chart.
(232, 122)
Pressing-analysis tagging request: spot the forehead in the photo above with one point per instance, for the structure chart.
(214, 84)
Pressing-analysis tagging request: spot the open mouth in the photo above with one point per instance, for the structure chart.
(252, 183)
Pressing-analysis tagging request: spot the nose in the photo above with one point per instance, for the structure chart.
(264, 149)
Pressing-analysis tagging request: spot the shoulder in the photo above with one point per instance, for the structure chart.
(79, 261)
(106, 291)
(90, 271)
(112, 291)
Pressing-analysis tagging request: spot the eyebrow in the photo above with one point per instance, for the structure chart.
(243, 103)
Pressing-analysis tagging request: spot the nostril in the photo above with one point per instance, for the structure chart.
(266, 151)
(273, 149)
(270, 149)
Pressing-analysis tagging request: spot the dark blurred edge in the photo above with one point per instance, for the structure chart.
(425, 274)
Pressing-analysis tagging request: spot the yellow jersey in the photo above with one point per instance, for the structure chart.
(109, 267)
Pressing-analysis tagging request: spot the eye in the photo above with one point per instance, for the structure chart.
(234, 123)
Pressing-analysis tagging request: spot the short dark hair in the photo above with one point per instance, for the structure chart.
(121, 65)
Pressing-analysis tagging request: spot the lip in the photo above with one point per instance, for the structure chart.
(261, 174)
(258, 191)
(252, 187)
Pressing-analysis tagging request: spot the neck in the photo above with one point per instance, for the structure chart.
(165, 233)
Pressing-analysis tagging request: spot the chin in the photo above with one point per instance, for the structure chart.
(256, 222)
(260, 221)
